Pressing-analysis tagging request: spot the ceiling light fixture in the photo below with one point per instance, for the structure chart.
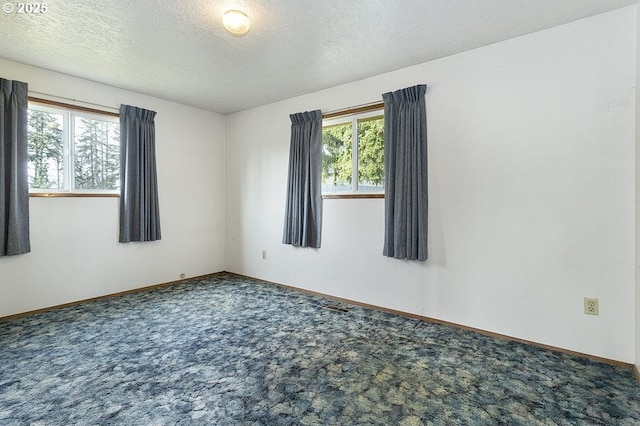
(236, 22)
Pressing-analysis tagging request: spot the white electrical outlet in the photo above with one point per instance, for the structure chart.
(264, 254)
(591, 306)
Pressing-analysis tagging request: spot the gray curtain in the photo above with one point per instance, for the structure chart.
(14, 186)
(139, 211)
(405, 170)
(303, 213)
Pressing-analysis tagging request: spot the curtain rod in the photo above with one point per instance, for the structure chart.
(354, 109)
(73, 100)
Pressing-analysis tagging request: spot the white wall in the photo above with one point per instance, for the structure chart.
(637, 205)
(531, 145)
(74, 241)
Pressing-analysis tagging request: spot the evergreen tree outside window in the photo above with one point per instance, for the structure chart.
(46, 149)
(72, 151)
(353, 161)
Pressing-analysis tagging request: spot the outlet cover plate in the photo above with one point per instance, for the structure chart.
(591, 306)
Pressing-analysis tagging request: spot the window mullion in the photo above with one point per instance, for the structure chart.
(354, 154)
(67, 135)
(72, 159)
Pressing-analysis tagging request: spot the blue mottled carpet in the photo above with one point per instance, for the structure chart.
(225, 350)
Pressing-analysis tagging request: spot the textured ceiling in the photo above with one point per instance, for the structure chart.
(178, 50)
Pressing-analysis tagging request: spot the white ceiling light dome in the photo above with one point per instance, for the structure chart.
(236, 22)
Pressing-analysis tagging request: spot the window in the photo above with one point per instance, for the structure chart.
(72, 151)
(352, 161)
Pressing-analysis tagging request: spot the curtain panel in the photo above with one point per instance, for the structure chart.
(139, 208)
(14, 185)
(303, 211)
(405, 169)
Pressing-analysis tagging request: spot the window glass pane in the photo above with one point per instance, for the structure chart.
(336, 158)
(370, 154)
(96, 154)
(46, 150)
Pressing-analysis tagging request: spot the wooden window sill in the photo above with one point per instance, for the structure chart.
(361, 195)
(72, 194)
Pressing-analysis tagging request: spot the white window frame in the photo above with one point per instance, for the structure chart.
(69, 115)
(353, 120)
